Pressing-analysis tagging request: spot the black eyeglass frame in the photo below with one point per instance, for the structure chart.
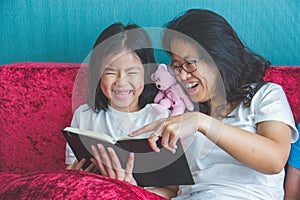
(172, 68)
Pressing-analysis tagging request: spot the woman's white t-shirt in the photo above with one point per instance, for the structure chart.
(218, 175)
(113, 122)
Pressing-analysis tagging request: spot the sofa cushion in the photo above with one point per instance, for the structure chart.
(71, 184)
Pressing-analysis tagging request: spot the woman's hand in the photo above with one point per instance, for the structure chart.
(170, 129)
(109, 165)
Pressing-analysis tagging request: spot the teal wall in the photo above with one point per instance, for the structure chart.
(65, 30)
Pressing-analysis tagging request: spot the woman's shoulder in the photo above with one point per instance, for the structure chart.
(270, 89)
(269, 93)
(269, 86)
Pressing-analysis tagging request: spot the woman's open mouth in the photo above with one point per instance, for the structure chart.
(192, 85)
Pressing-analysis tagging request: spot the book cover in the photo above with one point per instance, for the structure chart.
(150, 168)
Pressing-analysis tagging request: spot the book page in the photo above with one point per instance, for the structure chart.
(92, 134)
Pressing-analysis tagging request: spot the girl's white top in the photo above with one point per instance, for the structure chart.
(113, 122)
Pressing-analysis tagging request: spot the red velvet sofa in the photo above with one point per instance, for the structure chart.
(35, 104)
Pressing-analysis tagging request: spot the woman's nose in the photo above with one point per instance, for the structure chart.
(183, 74)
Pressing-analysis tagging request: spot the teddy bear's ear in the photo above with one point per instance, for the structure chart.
(153, 77)
(163, 67)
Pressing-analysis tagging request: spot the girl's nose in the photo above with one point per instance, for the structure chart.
(121, 80)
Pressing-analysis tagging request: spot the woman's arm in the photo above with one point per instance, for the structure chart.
(292, 183)
(267, 151)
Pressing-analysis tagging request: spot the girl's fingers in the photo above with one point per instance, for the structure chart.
(98, 162)
(106, 161)
(74, 164)
(130, 164)
(119, 171)
(90, 168)
(113, 167)
(78, 165)
(129, 168)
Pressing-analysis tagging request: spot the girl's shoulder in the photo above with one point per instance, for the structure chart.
(83, 108)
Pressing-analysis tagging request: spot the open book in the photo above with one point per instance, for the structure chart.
(150, 168)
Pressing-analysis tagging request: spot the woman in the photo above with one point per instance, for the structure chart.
(238, 142)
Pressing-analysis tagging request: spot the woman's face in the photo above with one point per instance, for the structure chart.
(122, 81)
(198, 84)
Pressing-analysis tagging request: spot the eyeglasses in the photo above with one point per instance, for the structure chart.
(188, 66)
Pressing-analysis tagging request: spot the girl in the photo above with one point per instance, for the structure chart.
(118, 100)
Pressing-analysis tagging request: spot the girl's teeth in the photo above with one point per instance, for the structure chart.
(121, 92)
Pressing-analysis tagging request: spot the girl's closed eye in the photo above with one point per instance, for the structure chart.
(134, 71)
(109, 71)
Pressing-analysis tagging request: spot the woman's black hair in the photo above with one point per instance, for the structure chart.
(241, 69)
(113, 40)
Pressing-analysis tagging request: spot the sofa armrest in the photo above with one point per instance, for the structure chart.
(71, 184)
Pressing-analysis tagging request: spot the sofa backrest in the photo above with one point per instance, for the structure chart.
(289, 78)
(36, 103)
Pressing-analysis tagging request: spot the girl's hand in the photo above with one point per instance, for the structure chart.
(170, 129)
(109, 164)
(78, 166)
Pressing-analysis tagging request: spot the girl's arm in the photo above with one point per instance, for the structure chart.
(167, 192)
(78, 166)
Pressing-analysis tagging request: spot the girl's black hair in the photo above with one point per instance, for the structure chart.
(113, 40)
(239, 67)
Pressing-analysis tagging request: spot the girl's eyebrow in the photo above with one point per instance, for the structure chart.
(133, 68)
(109, 69)
(128, 69)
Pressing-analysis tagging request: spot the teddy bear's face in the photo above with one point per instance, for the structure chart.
(162, 78)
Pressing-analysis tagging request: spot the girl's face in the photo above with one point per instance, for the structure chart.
(198, 84)
(122, 81)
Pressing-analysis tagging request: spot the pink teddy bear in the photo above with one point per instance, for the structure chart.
(170, 94)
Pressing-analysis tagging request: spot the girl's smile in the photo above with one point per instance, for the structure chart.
(122, 81)
(122, 94)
